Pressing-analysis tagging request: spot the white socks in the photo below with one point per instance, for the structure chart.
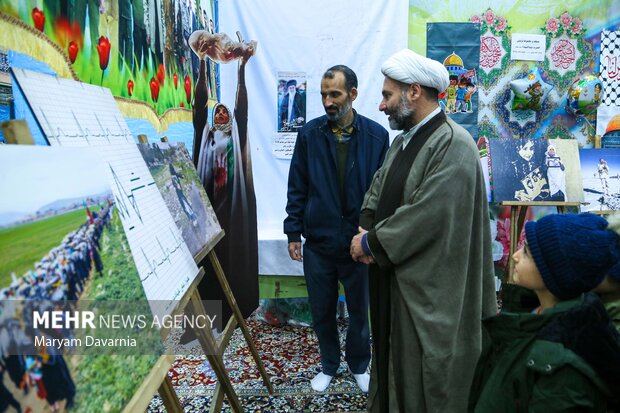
(321, 381)
(362, 381)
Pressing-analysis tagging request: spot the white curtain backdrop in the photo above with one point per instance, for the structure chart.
(307, 37)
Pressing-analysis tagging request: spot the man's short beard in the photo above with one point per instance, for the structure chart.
(341, 112)
(403, 113)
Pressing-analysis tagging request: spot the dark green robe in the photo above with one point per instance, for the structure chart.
(434, 252)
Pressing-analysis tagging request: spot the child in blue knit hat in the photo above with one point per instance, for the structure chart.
(564, 356)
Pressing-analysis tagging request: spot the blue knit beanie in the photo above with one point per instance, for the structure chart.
(573, 252)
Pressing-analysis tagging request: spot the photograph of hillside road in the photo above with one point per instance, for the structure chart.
(183, 193)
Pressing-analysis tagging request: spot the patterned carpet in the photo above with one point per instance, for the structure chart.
(290, 355)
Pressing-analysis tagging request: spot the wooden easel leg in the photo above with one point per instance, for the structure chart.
(205, 337)
(169, 397)
(513, 242)
(218, 399)
(227, 334)
(218, 395)
(239, 317)
(521, 222)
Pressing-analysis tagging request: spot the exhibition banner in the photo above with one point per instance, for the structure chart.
(457, 47)
(296, 50)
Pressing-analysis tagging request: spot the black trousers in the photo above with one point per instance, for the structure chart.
(322, 274)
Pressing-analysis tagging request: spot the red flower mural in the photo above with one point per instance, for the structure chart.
(73, 51)
(103, 48)
(175, 78)
(154, 85)
(130, 87)
(38, 17)
(65, 31)
(161, 75)
(188, 89)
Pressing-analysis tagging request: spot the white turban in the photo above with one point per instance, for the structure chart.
(409, 67)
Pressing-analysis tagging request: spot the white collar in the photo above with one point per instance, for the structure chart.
(409, 134)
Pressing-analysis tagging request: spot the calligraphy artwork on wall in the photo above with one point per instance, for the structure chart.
(494, 47)
(568, 53)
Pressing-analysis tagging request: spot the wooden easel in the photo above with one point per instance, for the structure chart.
(158, 379)
(217, 348)
(213, 349)
(236, 318)
(518, 211)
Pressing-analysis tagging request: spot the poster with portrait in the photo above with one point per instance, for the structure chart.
(535, 170)
(291, 101)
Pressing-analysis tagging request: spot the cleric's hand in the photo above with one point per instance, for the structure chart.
(356, 250)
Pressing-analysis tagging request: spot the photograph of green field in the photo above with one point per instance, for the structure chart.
(25, 244)
(62, 240)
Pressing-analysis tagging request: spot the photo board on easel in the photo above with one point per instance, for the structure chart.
(61, 238)
(90, 117)
(189, 203)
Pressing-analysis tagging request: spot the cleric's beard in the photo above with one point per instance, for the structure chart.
(403, 113)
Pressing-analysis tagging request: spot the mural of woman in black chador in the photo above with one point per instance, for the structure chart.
(222, 156)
